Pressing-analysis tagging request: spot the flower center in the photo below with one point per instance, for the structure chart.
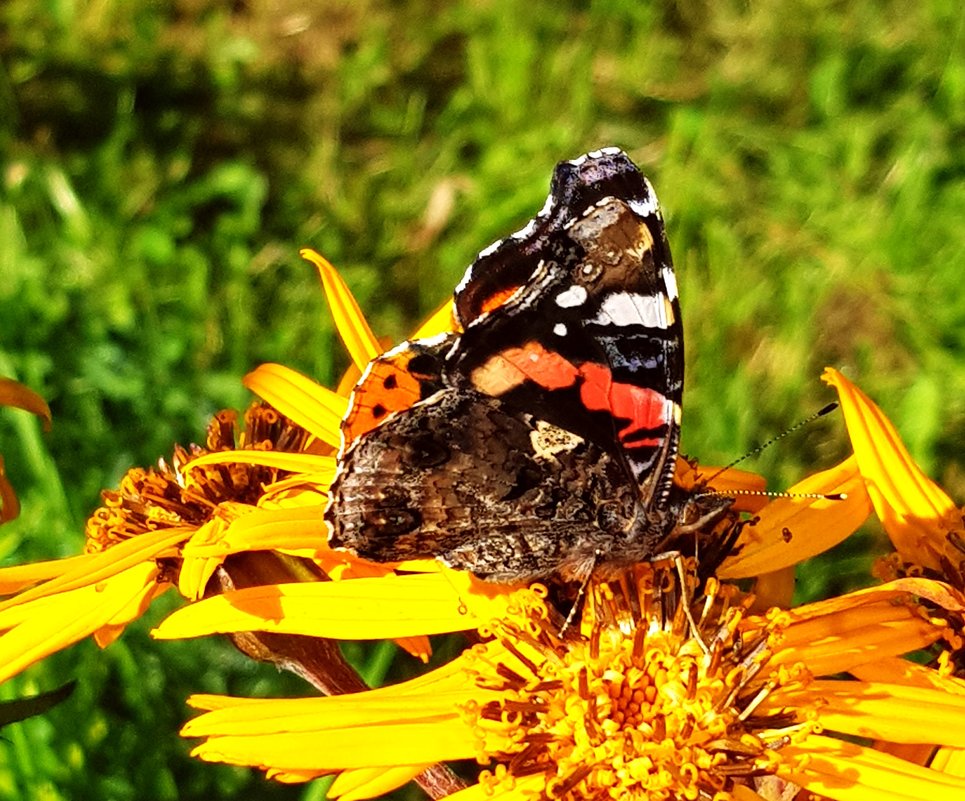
(164, 497)
(640, 705)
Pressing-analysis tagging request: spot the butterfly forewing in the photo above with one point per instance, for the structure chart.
(591, 339)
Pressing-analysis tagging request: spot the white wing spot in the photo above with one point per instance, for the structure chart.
(645, 208)
(670, 281)
(548, 440)
(559, 329)
(571, 298)
(631, 308)
(595, 154)
(525, 231)
(489, 249)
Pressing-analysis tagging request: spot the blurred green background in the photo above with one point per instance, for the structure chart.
(162, 162)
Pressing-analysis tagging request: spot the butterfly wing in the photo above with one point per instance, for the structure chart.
(576, 320)
(551, 444)
(460, 478)
(393, 382)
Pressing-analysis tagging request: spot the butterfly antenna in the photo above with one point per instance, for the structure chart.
(820, 496)
(754, 451)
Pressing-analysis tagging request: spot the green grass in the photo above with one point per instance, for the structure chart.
(162, 164)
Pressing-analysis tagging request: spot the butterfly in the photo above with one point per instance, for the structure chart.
(542, 440)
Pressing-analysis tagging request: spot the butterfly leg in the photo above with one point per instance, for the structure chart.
(678, 561)
(583, 572)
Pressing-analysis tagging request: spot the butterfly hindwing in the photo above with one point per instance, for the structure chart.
(393, 382)
(460, 478)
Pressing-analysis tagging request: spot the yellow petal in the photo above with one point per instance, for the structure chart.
(306, 489)
(849, 772)
(791, 530)
(359, 340)
(444, 680)
(243, 716)
(885, 711)
(377, 745)
(296, 776)
(299, 531)
(742, 793)
(441, 321)
(914, 510)
(742, 483)
(92, 569)
(196, 570)
(135, 607)
(41, 627)
(310, 405)
(950, 761)
(362, 783)
(279, 460)
(836, 635)
(774, 589)
(379, 608)
(918, 753)
(361, 730)
(17, 577)
(13, 393)
(901, 671)
(300, 528)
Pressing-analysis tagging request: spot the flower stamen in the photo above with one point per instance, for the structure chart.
(647, 701)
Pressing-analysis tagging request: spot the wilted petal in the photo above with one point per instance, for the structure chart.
(9, 505)
(13, 393)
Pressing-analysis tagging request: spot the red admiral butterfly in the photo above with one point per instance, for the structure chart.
(542, 440)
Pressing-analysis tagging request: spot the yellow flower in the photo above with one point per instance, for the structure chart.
(649, 695)
(654, 697)
(13, 393)
(740, 697)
